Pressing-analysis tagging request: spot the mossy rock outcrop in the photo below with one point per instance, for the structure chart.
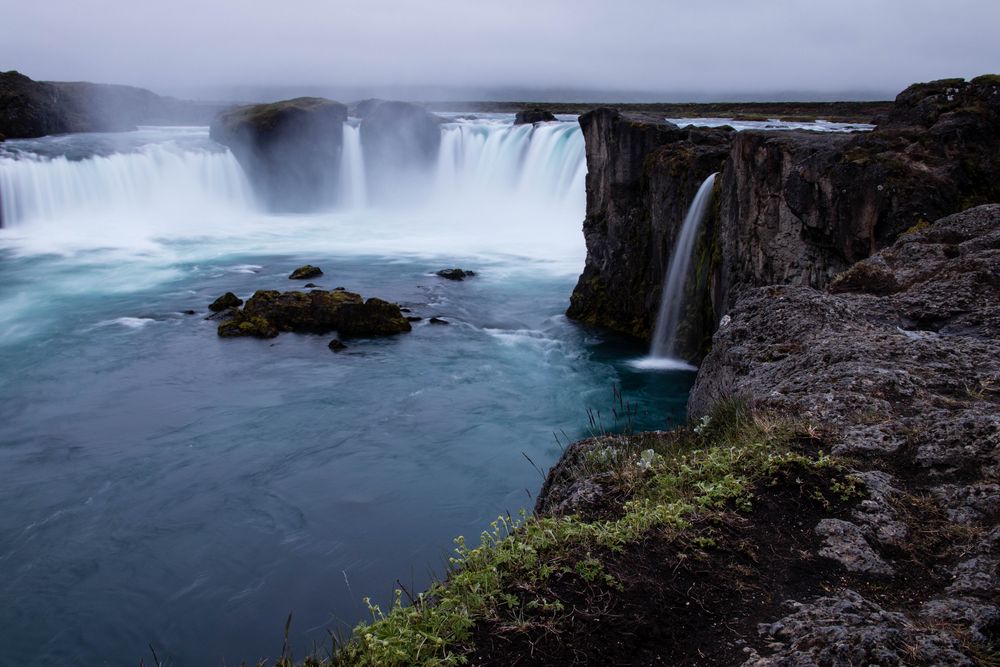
(305, 272)
(290, 150)
(269, 312)
(225, 302)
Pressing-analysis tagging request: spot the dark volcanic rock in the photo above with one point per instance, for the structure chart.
(336, 346)
(895, 369)
(401, 143)
(455, 274)
(791, 207)
(374, 317)
(224, 302)
(36, 108)
(642, 174)
(536, 115)
(32, 109)
(269, 312)
(290, 150)
(305, 272)
(899, 362)
(438, 320)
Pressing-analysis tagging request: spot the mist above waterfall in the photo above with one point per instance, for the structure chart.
(395, 48)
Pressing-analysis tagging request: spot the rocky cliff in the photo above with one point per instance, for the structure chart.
(896, 370)
(642, 174)
(898, 362)
(792, 207)
(35, 108)
(290, 150)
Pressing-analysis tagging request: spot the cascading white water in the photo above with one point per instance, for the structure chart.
(662, 350)
(159, 178)
(495, 189)
(484, 159)
(353, 192)
(478, 160)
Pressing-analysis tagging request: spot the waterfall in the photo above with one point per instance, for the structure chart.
(537, 163)
(662, 351)
(353, 191)
(158, 178)
(480, 160)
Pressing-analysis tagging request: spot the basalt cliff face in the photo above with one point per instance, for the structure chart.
(791, 207)
(642, 175)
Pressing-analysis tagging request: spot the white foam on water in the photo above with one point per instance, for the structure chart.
(127, 322)
(661, 364)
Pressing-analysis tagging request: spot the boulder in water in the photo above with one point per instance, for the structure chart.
(269, 312)
(305, 272)
(336, 345)
(535, 115)
(438, 320)
(374, 317)
(243, 324)
(455, 274)
(224, 302)
(290, 150)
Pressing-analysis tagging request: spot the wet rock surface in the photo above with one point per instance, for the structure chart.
(455, 274)
(306, 272)
(270, 312)
(225, 302)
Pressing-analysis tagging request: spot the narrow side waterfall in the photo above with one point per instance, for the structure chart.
(672, 297)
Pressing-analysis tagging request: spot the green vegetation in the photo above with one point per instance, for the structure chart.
(667, 481)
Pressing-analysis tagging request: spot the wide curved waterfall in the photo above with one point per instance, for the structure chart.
(158, 177)
(479, 161)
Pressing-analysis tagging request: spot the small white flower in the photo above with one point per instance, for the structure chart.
(646, 459)
(703, 424)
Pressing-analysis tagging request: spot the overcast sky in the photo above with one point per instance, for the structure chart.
(721, 47)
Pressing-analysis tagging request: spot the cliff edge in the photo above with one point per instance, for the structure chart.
(791, 207)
